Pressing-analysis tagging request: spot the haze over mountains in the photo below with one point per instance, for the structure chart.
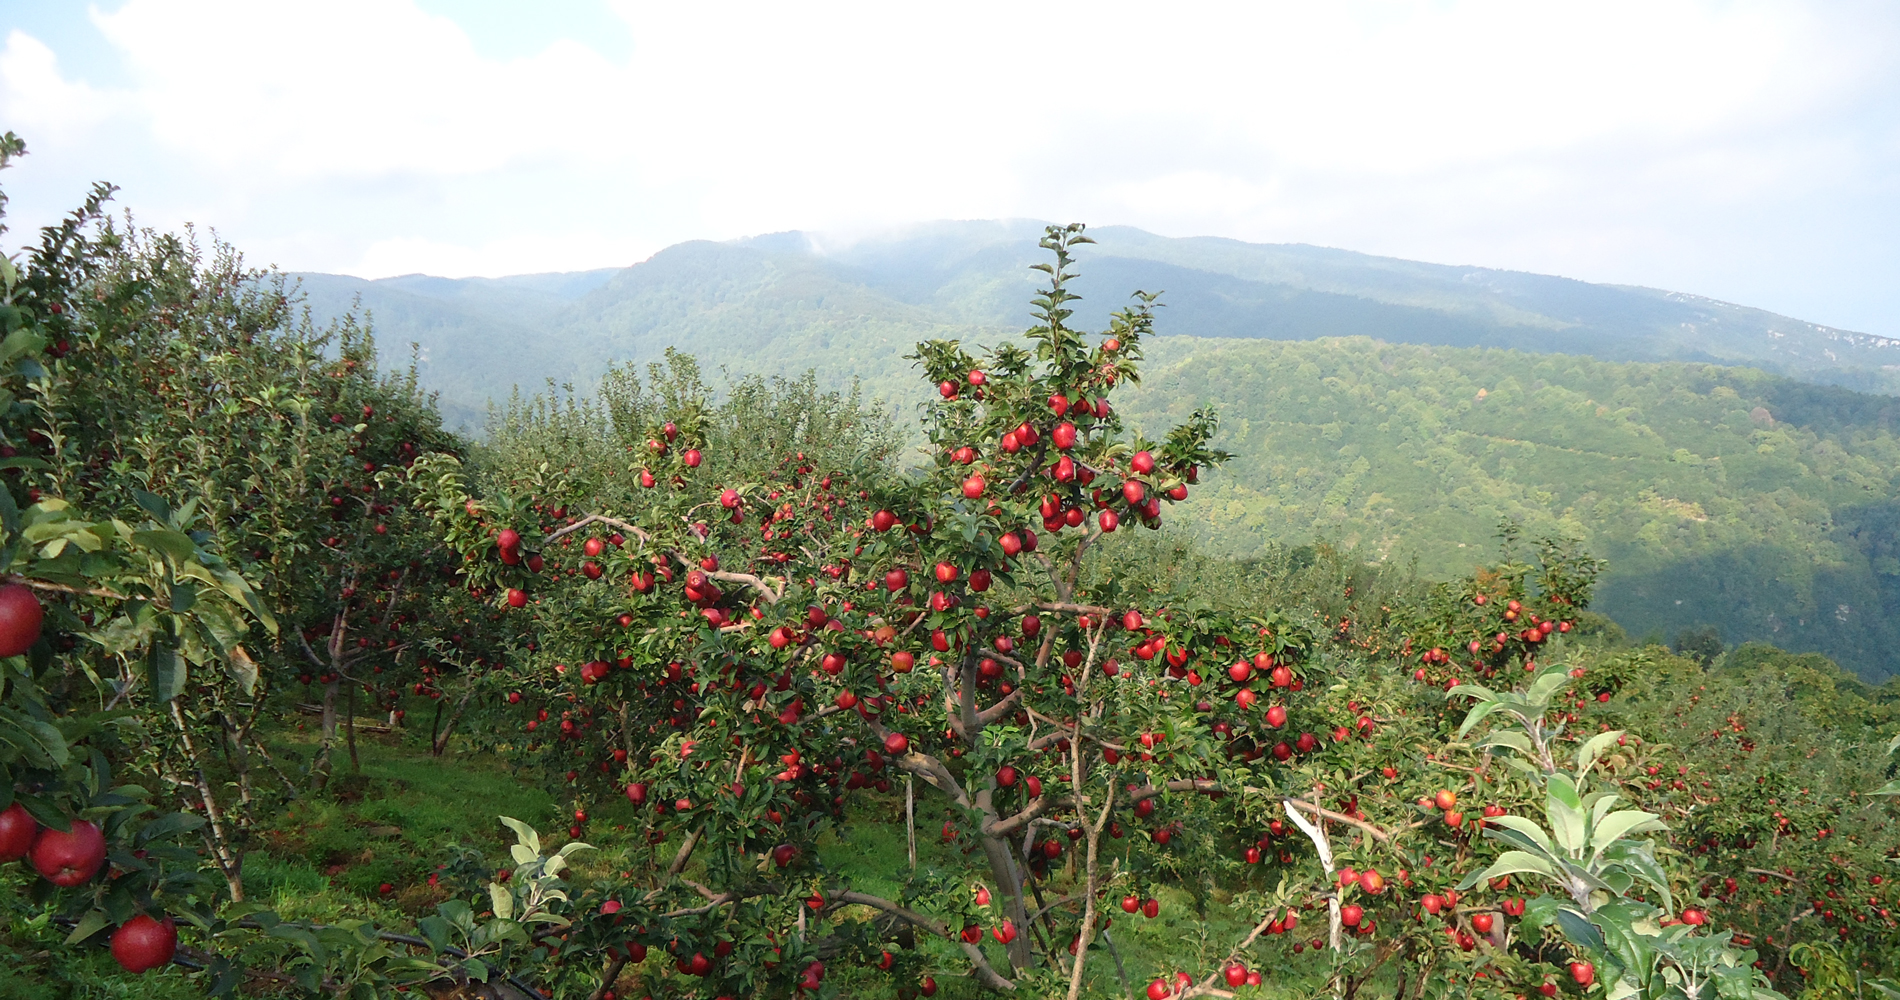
(1398, 406)
(772, 301)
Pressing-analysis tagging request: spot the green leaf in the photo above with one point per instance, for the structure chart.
(1565, 811)
(436, 929)
(1507, 738)
(1529, 828)
(168, 824)
(166, 672)
(1477, 714)
(501, 901)
(175, 545)
(1511, 863)
(1546, 685)
(9, 513)
(524, 834)
(1617, 825)
(92, 923)
(41, 741)
(1593, 748)
(154, 505)
(1579, 930)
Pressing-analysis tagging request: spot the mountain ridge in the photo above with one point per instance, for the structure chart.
(770, 300)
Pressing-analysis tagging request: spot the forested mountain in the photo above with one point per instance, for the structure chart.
(764, 303)
(1724, 496)
(1761, 504)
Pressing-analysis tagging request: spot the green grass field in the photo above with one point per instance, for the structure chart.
(327, 856)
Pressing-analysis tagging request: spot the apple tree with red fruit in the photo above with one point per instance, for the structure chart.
(741, 635)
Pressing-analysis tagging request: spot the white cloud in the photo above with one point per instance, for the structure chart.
(35, 98)
(1611, 140)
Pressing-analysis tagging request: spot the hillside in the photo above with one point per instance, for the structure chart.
(1757, 503)
(1719, 495)
(764, 303)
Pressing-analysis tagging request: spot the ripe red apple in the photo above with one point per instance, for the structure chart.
(1236, 975)
(17, 831)
(1276, 716)
(70, 858)
(896, 744)
(517, 598)
(896, 580)
(142, 944)
(1351, 914)
(1130, 904)
(1445, 799)
(1142, 463)
(1584, 973)
(1240, 671)
(20, 616)
(1158, 990)
(1482, 922)
(1151, 908)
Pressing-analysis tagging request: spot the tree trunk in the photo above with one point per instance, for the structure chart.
(349, 729)
(1008, 878)
(320, 766)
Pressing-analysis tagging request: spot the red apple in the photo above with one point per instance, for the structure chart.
(69, 858)
(17, 831)
(20, 616)
(143, 944)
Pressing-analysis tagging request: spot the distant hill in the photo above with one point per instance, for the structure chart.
(1724, 496)
(773, 301)
(1401, 405)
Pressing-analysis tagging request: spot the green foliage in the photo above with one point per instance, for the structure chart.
(1718, 495)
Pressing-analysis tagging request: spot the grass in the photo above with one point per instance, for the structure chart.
(325, 857)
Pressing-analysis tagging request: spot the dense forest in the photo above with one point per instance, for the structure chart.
(1722, 497)
(692, 686)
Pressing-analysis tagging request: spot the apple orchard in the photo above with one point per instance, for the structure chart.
(725, 630)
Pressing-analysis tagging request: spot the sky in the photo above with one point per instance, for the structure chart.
(1748, 151)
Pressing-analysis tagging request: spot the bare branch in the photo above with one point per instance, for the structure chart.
(62, 588)
(980, 965)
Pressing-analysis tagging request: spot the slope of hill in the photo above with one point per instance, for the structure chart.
(1725, 496)
(1761, 504)
(759, 304)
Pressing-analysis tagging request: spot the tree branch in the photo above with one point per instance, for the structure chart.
(62, 588)
(980, 965)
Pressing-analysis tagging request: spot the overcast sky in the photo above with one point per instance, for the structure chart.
(1746, 151)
